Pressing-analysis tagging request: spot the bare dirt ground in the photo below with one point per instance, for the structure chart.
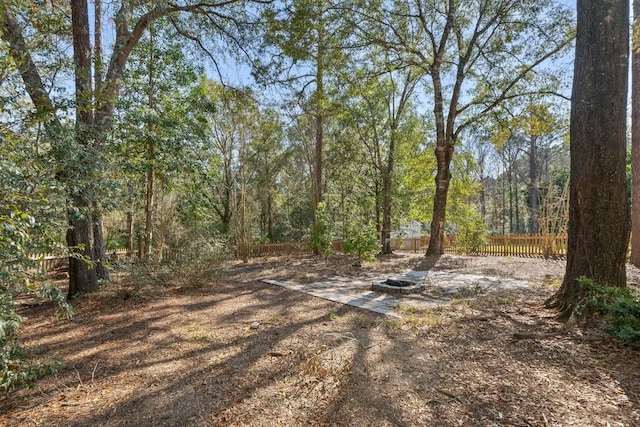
(178, 350)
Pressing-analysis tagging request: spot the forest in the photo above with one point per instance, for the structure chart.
(199, 128)
(178, 125)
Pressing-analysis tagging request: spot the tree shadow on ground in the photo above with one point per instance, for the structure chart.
(192, 359)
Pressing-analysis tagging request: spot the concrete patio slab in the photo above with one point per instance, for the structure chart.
(357, 292)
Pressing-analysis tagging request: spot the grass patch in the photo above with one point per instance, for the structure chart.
(196, 332)
(423, 317)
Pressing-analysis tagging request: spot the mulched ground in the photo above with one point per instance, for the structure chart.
(177, 348)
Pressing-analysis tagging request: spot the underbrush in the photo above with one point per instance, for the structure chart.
(200, 262)
(620, 308)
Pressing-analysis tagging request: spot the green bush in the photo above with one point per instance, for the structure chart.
(26, 226)
(361, 240)
(321, 239)
(619, 306)
(471, 235)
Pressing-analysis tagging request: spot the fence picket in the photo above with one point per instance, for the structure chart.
(497, 245)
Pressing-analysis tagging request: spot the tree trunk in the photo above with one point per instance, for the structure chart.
(99, 249)
(97, 50)
(316, 196)
(635, 139)
(516, 196)
(511, 226)
(504, 199)
(386, 212)
(270, 233)
(534, 227)
(130, 232)
(378, 201)
(317, 167)
(599, 221)
(444, 155)
(483, 196)
(82, 274)
(387, 188)
(151, 157)
(148, 229)
(11, 33)
(226, 213)
(98, 236)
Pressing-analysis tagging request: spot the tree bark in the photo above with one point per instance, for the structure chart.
(599, 220)
(11, 33)
(316, 196)
(148, 230)
(99, 246)
(386, 211)
(151, 158)
(444, 155)
(445, 138)
(82, 275)
(99, 249)
(82, 271)
(635, 139)
(534, 227)
(409, 84)
(130, 232)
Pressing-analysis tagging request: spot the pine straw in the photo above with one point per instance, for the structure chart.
(187, 356)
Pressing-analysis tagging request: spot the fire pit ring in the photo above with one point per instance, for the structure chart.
(400, 286)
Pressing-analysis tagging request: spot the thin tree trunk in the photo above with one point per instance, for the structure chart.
(599, 220)
(99, 244)
(270, 233)
(387, 188)
(387, 177)
(163, 225)
(378, 199)
(130, 232)
(99, 248)
(151, 156)
(386, 213)
(319, 100)
(317, 167)
(510, 182)
(483, 196)
(148, 230)
(635, 138)
(534, 227)
(516, 197)
(504, 199)
(97, 50)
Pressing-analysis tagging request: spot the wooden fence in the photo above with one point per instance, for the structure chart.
(51, 262)
(525, 246)
(280, 249)
(508, 245)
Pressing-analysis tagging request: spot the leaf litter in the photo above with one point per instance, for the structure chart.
(179, 355)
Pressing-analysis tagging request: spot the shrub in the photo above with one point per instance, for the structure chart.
(200, 259)
(321, 240)
(472, 234)
(620, 308)
(27, 225)
(361, 240)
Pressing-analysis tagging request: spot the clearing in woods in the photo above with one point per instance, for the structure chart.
(178, 349)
